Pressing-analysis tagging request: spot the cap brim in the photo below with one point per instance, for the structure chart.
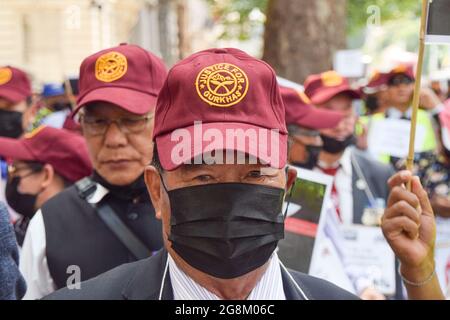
(131, 100)
(318, 119)
(328, 93)
(15, 149)
(272, 151)
(12, 95)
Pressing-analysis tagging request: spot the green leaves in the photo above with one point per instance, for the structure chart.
(360, 12)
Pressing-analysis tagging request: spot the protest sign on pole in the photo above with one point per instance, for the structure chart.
(438, 22)
(307, 203)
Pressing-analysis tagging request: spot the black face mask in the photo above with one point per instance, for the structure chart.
(228, 229)
(372, 103)
(313, 156)
(334, 146)
(22, 203)
(10, 124)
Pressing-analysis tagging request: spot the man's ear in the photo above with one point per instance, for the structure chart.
(153, 182)
(49, 174)
(291, 175)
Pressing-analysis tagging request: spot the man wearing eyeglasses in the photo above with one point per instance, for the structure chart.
(107, 219)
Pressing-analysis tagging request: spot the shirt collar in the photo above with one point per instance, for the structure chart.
(269, 287)
(394, 113)
(344, 162)
(99, 193)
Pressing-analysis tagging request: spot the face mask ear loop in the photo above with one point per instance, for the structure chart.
(289, 195)
(167, 234)
(164, 185)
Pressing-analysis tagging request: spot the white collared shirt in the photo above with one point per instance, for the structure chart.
(394, 113)
(344, 187)
(33, 259)
(269, 287)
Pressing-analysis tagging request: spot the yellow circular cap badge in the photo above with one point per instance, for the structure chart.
(31, 134)
(331, 79)
(222, 85)
(304, 97)
(5, 75)
(110, 66)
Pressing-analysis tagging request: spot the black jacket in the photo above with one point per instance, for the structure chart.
(76, 235)
(376, 175)
(142, 280)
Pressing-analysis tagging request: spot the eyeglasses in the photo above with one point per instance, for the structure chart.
(396, 81)
(97, 126)
(33, 167)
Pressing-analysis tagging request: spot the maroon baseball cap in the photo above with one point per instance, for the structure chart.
(127, 76)
(65, 151)
(376, 82)
(14, 84)
(301, 112)
(381, 79)
(322, 87)
(215, 99)
(405, 69)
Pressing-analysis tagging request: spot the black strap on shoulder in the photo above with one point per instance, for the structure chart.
(86, 187)
(121, 231)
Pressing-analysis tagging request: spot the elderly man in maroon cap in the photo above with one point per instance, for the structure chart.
(107, 219)
(359, 181)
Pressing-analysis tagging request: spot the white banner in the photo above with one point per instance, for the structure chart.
(438, 22)
(391, 136)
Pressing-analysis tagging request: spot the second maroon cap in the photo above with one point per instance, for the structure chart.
(380, 79)
(14, 84)
(66, 151)
(301, 112)
(322, 87)
(377, 81)
(127, 75)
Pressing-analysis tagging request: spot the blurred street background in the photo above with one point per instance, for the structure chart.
(49, 38)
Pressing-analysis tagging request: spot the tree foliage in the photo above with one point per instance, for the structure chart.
(360, 12)
(235, 14)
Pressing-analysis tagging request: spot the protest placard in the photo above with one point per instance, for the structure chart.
(438, 22)
(307, 203)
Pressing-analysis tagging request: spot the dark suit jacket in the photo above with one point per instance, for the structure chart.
(376, 175)
(142, 280)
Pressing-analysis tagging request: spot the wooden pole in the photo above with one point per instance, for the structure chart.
(416, 96)
(69, 93)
